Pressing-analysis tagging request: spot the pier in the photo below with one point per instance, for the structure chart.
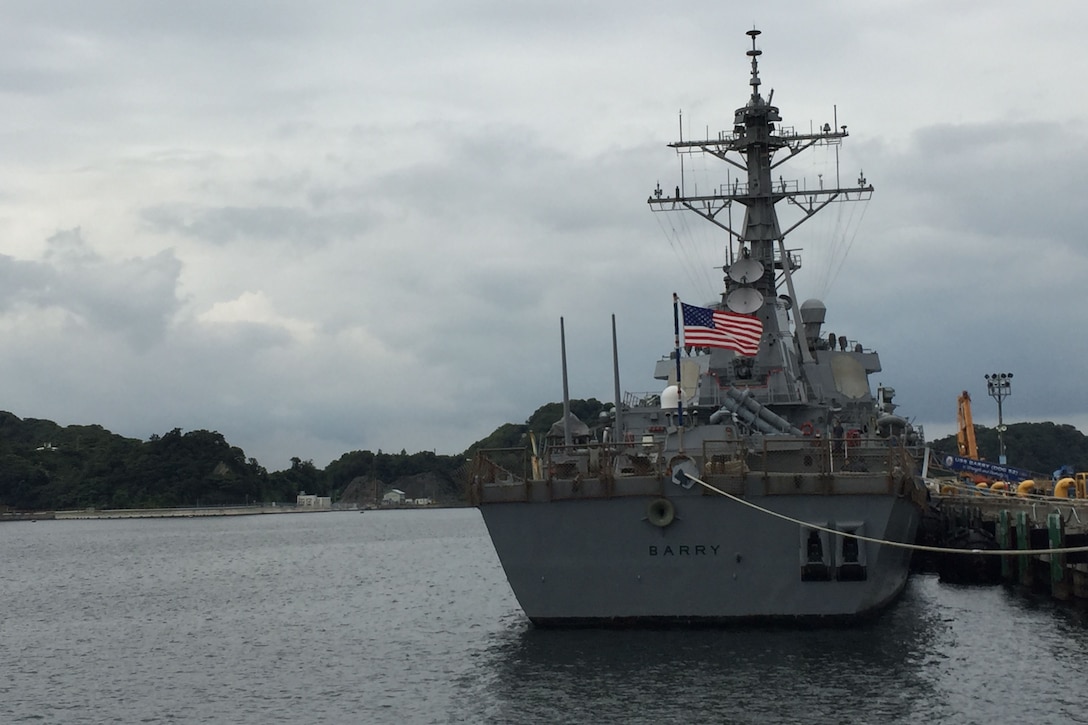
(1052, 533)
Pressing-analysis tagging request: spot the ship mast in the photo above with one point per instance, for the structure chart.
(762, 259)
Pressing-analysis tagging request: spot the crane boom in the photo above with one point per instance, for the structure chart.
(965, 437)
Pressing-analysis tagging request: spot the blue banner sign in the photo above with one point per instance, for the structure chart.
(986, 468)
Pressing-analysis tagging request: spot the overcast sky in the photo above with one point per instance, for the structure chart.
(322, 227)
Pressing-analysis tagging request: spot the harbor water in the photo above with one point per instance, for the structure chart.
(406, 617)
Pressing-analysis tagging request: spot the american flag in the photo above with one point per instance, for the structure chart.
(714, 328)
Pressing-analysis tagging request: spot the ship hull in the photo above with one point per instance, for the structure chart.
(609, 562)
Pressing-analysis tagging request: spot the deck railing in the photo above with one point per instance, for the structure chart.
(726, 456)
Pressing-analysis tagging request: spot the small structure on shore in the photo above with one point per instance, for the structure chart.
(395, 497)
(309, 500)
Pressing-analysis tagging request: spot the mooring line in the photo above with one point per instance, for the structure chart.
(883, 542)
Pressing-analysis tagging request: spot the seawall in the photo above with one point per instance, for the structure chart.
(188, 512)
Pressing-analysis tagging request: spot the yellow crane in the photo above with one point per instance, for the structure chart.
(965, 437)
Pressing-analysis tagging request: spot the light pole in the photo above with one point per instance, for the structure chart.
(999, 386)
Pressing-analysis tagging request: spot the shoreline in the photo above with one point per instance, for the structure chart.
(161, 513)
(187, 512)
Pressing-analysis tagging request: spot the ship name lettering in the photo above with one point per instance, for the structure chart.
(685, 550)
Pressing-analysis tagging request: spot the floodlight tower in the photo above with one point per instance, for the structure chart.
(999, 386)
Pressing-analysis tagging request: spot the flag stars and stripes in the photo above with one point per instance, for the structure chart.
(705, 327)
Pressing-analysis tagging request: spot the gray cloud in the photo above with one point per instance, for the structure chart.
(134, 297)
(223, 225)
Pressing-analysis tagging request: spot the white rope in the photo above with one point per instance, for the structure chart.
(898, 544)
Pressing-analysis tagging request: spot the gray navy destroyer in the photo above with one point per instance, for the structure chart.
(772, 484)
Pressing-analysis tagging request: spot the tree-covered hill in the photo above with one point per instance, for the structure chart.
(44, 466)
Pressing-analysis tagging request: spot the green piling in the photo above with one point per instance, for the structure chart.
(1005, 542)
(1059, 588)
(1023, 543)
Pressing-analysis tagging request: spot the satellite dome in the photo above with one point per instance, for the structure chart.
(670, 398)
(813, 310)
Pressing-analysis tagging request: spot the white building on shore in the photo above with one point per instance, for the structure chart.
(318, 503)
(395, 497)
